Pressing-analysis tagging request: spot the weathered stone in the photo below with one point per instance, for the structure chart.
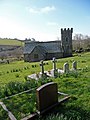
(54, 71)
(66, 67)
(47, 95)
(42, 67)
(54, 63)
(74, 65)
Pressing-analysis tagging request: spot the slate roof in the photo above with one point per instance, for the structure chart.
(28, 49)
(43, 47)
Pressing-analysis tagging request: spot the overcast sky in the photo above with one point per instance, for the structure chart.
(43, 19)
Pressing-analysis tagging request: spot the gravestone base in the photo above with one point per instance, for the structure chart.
(52, 73)
(37, 76)
(43, 75)
(60, 71)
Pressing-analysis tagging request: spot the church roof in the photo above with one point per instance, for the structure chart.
(44, 47)
(41, 49)
(28, 49)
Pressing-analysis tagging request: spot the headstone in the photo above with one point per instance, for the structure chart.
(66, 67)
(74, 65)
(54, 67)
(47, 95)
(42, 67)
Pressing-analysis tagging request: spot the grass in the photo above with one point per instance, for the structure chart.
(16, 71)
(76, 84)
(10, 42)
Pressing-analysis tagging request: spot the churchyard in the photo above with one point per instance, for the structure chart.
(18, 92)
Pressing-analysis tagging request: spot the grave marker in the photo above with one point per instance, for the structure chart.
(74, 65)
(42, 67)
(47, 99)
(66, 68)
(54, 67)
(47, 95)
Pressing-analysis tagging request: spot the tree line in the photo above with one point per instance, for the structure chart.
(81, 42)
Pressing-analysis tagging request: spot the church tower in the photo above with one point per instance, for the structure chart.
(66, 41)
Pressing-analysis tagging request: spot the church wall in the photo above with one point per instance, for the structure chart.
(56, 55)
(26, 57)
(34, 56)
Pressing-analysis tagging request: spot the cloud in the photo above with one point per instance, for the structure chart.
(46, 9)
(31, 10)
(52, 23)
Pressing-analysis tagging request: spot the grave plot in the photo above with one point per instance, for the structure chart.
(19, 105)
(47, 99)
(34, 103)
(39, 75)
(53, 72)
(43, 73)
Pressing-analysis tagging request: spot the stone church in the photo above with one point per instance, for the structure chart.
(36, 51)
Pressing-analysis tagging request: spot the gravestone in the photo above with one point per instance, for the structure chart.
(47, 99)
(66, 68)
(47, 95)
(54, 67)
(74, 65)
(42, 67)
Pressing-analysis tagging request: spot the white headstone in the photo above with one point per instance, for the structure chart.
(66, 67)
(54, 67)
(54, 63)
(74, 65)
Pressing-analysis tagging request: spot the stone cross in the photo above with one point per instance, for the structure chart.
(42, 67)
(54, 66)
(54, 63)
(66, 67)
(74, 65)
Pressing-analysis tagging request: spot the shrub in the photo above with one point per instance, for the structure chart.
(13, 70)
(7, 71)
(17, 75)
(17, 70)
(25, 77)
(25, 68)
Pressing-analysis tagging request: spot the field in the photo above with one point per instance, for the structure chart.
(10, 42)
(13, 79)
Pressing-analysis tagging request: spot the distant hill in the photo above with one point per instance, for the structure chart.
(15, 42)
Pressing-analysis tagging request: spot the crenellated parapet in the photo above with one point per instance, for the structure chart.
(66, 30)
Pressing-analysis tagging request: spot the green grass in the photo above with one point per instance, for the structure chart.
(16, 71)
(9, 72)
(76, 84)
(10, 42)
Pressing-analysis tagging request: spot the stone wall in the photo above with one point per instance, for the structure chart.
(66, 41)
